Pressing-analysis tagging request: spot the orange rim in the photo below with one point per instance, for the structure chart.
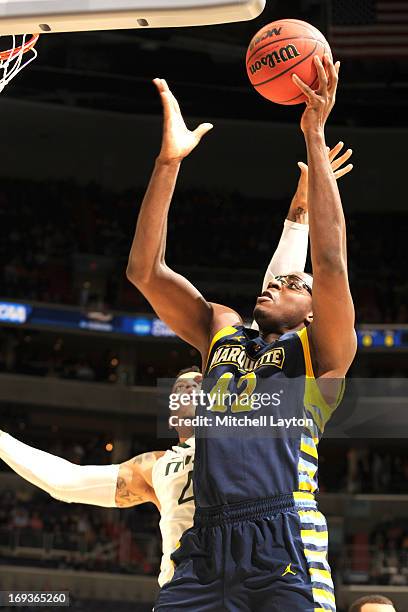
(11, 53)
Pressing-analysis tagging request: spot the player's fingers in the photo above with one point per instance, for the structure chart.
(343, 171)
(203, 129)
(327, 62)
(165, 85)
(342, 159)
(303, 167)
(308, 91)
(172, 97)
(166, 103)
(176, 105)
(158, 83)
(335, 150)
(174, 100)
(323, 80)
(332, 74)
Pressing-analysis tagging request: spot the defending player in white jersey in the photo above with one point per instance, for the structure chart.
(161, 477)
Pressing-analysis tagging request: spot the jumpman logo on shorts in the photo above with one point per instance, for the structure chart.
(289, 571)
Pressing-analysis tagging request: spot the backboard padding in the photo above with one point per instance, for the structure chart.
(23, 16)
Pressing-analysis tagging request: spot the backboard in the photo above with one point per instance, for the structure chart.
(21, 16)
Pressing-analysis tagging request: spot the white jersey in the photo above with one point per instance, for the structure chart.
(172, 482)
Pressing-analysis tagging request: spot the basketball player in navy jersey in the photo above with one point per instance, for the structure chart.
(258, 542)
(163, 478)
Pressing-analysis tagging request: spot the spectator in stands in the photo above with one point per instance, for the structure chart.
(372, 603)
(36, 523)
(19, 518)
(35, 240)
(78, 537)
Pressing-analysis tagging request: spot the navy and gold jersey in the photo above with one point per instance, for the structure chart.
(258, 434)
(258, 541)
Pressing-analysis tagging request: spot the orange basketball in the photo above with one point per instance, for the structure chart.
(280, 49)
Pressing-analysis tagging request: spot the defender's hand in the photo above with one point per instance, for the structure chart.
(299, 208)
(319, 103)
(178, 141)
(337, 164)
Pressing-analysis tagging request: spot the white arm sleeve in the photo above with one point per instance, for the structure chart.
(290, 255)
(84, 484)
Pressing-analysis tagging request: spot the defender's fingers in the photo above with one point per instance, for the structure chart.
(335, 150)
(343, 171)
(342, 159)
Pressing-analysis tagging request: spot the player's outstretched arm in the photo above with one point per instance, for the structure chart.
(175, 300)
(332, 335)
(134, 484)
(107, 486)
(291, 252)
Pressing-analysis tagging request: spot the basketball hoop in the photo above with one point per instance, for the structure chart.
(11, 60)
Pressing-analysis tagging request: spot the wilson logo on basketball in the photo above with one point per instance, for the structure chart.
(276, 57)
(265, 35)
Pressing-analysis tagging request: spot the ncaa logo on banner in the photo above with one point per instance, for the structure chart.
(14, 313)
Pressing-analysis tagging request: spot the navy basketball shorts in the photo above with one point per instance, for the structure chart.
(266, 555)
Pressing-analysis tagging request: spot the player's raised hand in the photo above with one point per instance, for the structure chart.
(299, 206)
(178, 141)
(319, 103)
(337, 164)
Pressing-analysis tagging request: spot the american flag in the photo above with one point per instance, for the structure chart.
(368, 28)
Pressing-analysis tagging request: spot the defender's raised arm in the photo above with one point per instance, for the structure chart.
(291, 252)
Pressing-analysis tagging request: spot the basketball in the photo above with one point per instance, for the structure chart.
(280, 49)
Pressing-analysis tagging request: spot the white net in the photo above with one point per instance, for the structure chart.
(21, 53)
